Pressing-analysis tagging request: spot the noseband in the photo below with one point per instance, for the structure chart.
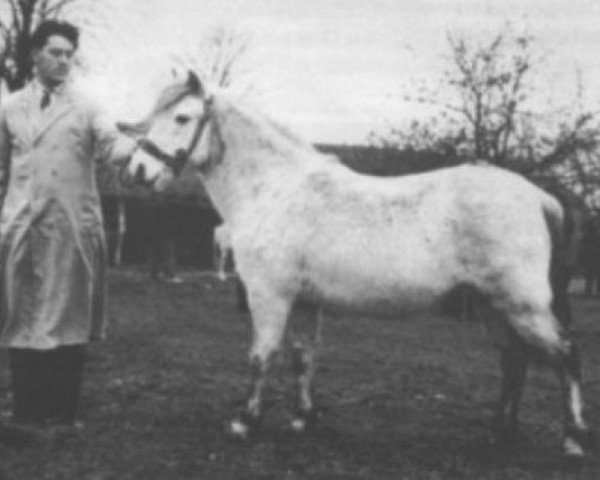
(178, 160)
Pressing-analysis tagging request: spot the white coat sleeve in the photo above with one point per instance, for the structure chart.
(111, 146)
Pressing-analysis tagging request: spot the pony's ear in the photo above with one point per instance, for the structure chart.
(194, 83)
(134, 130)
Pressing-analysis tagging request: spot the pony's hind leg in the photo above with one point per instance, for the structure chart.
(543, 335)
(304, 349)
(577, 436)
(513, 362)
(269, 318)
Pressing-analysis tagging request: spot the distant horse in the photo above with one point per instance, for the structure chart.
(589, 257)
(224, 261)
(576, 219)
(222, 251)
(305, 228)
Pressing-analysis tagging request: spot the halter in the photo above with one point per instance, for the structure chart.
(177, 161)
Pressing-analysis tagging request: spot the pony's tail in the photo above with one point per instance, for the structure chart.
(560, 232)
(550, 345)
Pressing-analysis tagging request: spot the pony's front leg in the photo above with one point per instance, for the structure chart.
(269, 317)
(513, 362)
(577, 435)
(304, 350)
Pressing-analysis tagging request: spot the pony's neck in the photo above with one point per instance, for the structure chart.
(257, 133)
(260, 158)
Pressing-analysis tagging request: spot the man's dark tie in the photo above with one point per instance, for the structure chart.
(45, 99)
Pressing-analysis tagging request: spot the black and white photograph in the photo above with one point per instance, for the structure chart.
(299, 239)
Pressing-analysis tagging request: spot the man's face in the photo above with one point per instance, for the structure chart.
(54, 60)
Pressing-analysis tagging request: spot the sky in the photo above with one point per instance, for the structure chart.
(334, 70)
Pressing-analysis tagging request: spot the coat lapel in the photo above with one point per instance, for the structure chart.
(61, 105)
(28, 117)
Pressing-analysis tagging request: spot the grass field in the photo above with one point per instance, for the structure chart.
(407, 399)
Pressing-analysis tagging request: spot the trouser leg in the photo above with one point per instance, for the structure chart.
(28, 377)
(46, 383)
(65, 382)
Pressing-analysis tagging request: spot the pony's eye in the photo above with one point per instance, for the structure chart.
(182, 119)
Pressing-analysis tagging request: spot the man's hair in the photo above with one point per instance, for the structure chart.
(54, 27)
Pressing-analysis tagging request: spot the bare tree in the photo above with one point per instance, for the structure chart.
(490, 82)
(569, 158)
(221, 58)
(491, 108)
(481, 95)
(484, 91)
(18, 20)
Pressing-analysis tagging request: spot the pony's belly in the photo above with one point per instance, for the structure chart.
(374, 299)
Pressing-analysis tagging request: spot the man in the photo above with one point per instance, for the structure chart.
(52, 247)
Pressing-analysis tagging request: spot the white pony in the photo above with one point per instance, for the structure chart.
(306, 229)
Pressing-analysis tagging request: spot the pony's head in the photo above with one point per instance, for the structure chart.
(178, 131)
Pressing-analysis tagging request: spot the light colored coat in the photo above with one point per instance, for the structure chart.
(52, 246)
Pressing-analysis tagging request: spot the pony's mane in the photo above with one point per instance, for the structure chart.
(285, 132)
(272, 133)
(275, 131)
(169, 96)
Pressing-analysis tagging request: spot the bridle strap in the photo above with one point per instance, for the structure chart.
(180, 158)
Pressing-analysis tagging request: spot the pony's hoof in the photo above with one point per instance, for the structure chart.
(303, 420)
(298, 425)
(238, 430)
(572, 450)
(577, 442)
